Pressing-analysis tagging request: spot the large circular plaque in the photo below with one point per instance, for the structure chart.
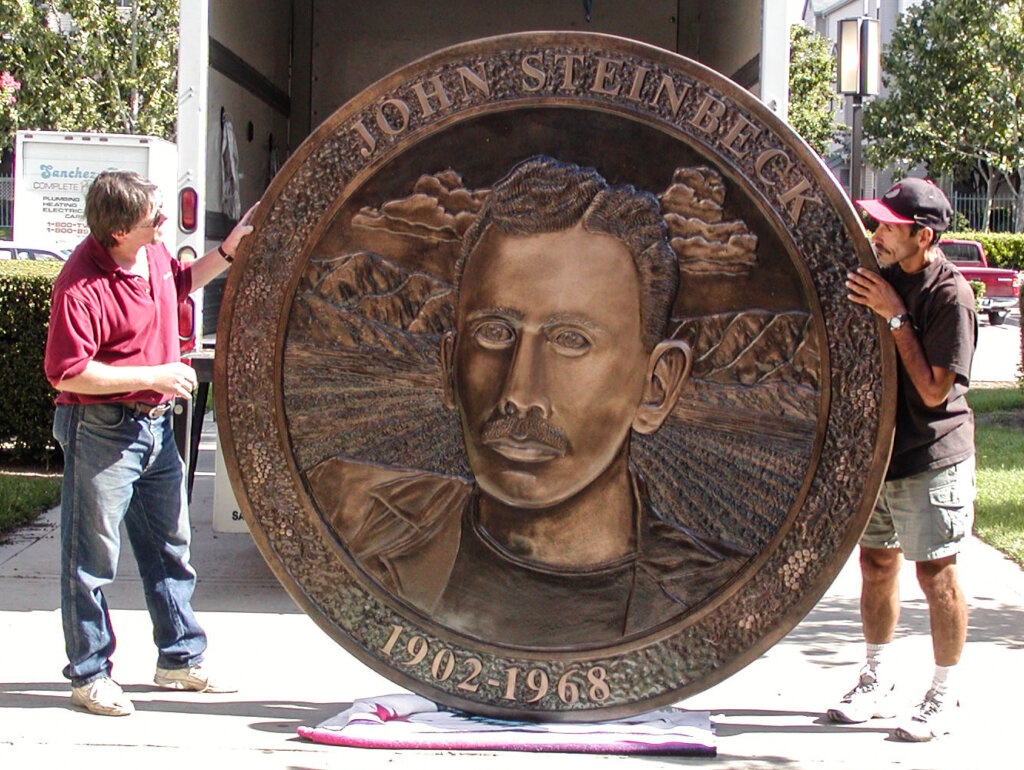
(481, 432)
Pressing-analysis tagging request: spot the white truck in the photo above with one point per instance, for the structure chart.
(53, 171)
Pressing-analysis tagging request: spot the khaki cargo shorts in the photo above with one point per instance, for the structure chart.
(929, 515)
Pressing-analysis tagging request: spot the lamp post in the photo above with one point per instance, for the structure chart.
(859, 76)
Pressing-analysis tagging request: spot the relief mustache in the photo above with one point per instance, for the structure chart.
(531, 427)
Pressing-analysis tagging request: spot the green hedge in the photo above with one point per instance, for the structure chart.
(27, 416)
(1002, 249)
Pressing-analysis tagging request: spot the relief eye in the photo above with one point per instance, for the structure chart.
(494, 334)
(571, 340)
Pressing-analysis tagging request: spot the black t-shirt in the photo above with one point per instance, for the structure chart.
(941, 305)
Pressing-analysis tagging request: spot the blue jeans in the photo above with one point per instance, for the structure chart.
(122, 466)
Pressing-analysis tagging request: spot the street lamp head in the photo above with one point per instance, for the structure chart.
(859, 57)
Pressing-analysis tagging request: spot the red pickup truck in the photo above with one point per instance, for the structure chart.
(1002, 285)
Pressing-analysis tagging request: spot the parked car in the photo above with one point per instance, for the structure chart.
(1002, 285)
(12, 250)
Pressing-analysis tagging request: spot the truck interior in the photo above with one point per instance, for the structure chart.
(278, 69)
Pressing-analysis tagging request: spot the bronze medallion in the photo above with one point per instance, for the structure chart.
(538, 384)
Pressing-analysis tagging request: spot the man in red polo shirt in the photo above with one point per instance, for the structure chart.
(113, 354)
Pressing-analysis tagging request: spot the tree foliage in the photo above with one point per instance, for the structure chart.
(90, 65)
(954, 71)
(812, 68)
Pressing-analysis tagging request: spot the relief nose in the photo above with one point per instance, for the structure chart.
(525, 386)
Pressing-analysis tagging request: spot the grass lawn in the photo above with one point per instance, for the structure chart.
(24, 496)
(1000, 446)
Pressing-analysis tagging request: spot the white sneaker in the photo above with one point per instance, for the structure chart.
(934, 716)
(103, 696)
(870, 699)
(193, 678)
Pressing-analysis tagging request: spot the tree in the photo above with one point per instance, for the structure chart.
(812, 69)
(955, 77)
(90, 65)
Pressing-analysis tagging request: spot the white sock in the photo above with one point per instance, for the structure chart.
(876, 657)
(942, 680)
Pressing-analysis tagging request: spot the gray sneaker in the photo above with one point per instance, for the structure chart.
(192, 678)
(934, 716)
(870, 699)
(103, 696)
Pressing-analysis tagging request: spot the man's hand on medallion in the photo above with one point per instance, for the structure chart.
(871, 290)
(242, 229)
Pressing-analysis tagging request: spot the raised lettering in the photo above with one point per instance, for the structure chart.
(371, 143)
(638, 83)
(511, 677)
(794, 199)
(382, 119)
(767, 157)
(531, 68)
(667, 86)
(599, 689)
(470, 78)
(709, 115)
(389, 645)
(443, 665)
(438, 93)
(538, 681)
(568, 691)
(604, 77)
(738, 136)
(570, 60)
(469, 684)
(418, 647)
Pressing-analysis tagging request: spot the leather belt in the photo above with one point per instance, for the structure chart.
(148, 410)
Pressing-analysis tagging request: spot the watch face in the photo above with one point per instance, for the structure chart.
(541, 391)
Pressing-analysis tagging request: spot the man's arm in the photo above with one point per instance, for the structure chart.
(98, 379)
(932, 383)
(212, 264)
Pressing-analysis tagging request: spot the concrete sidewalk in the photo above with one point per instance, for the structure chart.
(289, 673)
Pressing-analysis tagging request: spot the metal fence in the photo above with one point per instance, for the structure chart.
(6, 201)
(1001, 220)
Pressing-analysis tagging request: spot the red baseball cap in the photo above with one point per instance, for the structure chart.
(912, 201)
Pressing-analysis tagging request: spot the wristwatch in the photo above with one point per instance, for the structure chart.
(897, 321)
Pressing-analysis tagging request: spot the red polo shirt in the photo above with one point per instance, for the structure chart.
(100, 312)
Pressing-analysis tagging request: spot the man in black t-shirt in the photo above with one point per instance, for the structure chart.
(926, 507)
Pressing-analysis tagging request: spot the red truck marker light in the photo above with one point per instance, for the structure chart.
(188, 209)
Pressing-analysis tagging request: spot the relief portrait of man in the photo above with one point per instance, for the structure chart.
(559, 355)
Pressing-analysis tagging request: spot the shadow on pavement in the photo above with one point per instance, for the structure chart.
(279, 716)
(726, 724)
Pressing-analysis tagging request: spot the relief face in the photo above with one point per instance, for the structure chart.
(541, 391)
(556, 354)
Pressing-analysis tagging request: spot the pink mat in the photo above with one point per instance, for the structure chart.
(412, 722)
